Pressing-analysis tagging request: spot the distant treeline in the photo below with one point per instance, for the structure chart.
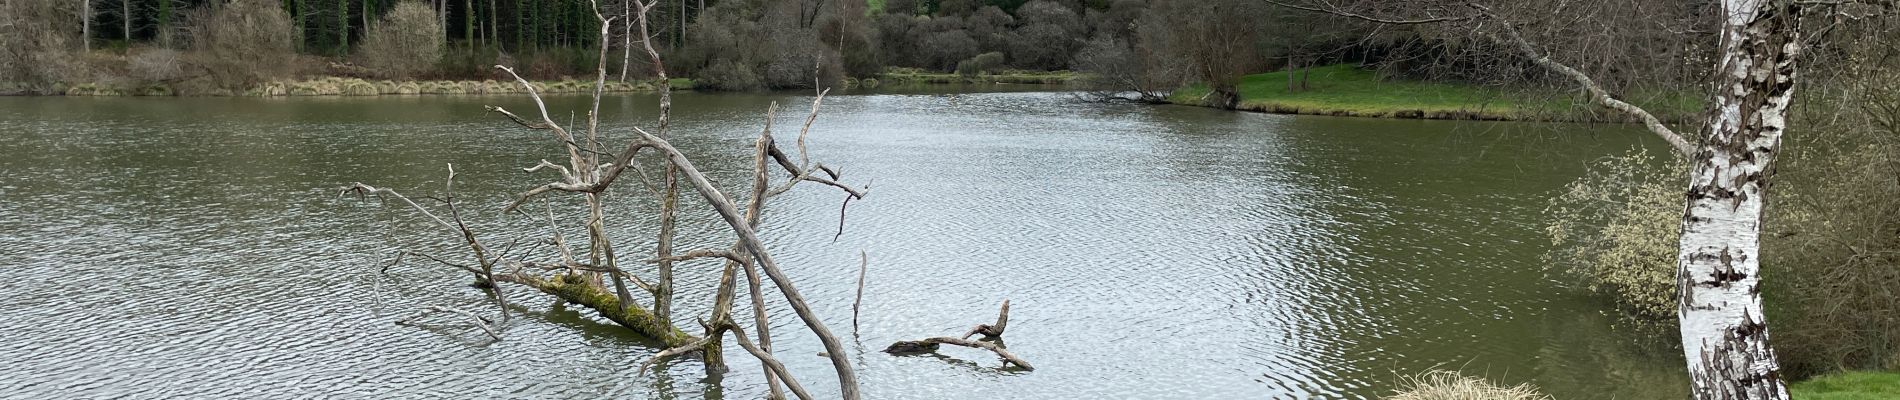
(1147, 47)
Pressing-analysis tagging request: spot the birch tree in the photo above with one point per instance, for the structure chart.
(1723, 330)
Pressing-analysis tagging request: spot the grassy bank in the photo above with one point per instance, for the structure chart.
(916, 76)
(1849, 386)
(334, 86)
(1346, 90)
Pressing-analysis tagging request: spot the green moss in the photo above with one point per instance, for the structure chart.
(575, 288)
(1861, 385)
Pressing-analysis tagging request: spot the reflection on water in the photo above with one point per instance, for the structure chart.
(196, 248)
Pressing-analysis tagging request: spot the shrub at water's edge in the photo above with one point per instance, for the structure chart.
(1829, 247)
(1614, 231)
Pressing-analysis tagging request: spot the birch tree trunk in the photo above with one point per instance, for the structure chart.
(626, 34)
(1724, 334)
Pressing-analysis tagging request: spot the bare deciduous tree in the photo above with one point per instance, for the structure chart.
(580, 280)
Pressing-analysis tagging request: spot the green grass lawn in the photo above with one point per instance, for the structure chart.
(1849, 386)
(1347, 90)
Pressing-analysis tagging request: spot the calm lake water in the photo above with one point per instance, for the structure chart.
(196, 247)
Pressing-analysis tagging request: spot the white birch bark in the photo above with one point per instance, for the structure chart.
(626, 48)
(1724, 333)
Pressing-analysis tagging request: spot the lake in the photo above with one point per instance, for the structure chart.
(197, 247)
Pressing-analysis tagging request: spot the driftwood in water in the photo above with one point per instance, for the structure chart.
(989, 331)
(992, 331)
(930, 345)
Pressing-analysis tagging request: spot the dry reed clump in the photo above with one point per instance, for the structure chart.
(1451, 385)
(358, 87)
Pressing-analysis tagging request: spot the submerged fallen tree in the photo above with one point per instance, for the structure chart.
(596, 278)
(992, 341)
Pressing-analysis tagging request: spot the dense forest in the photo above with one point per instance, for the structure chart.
(725, 44)
(1146, 46)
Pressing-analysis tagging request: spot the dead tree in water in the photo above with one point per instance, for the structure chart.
(584, 279)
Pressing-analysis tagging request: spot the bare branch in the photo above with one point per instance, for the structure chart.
(864, 261)
(476, 319)
(675, 351)
(993, 330)
(517, 119)
(1597, 94)
(930, 345)
(565, 174)
(464, 267)
(361, 190)
(1387, 21)
(777, 367)
(847, 380)
(700, 253)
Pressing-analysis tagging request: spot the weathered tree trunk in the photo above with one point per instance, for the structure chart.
(626, 50)
(575, 288)
(85, 25)
(1289, 75)
(1724, 333)
(125, 20)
